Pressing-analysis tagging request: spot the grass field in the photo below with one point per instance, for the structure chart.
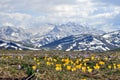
(59, 65)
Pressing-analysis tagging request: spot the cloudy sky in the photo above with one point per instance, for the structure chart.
(102, 14)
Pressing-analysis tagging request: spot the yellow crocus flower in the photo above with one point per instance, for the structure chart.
(96, 66)
(63, 60)
(38, 63)
(58, 65)
(45, 58)
(6, 57)
(35, 59)
(106, 58)
(88, 67)
(68, 67)
(34, 67)
(71, 62)
(86, 60)
(77, 62)
(55, 60)
(109, 66)
(49, 59)
(73, 69)
(101, 63)
(64, 64)
(48, 63)
(84, 64)
(58, 68)
(118, 65)
(92, 58)
(78, 66)
(84, 69)
(114, 66)
(90, 70)
(98, 58)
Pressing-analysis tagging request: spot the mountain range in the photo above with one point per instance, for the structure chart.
(9, 45)
(68, 36)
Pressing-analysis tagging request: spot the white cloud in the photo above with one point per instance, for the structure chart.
(28, 13)
(16, 19)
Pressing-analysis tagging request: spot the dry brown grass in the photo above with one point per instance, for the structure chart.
(11, 59)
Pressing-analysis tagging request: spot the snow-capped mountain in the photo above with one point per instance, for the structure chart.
(13, 46)
(72, 28)
(63, 30)
(69, 36)
(89, 42)
(13, 33)
(41, 29)
(81, 42)
(113, 38)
